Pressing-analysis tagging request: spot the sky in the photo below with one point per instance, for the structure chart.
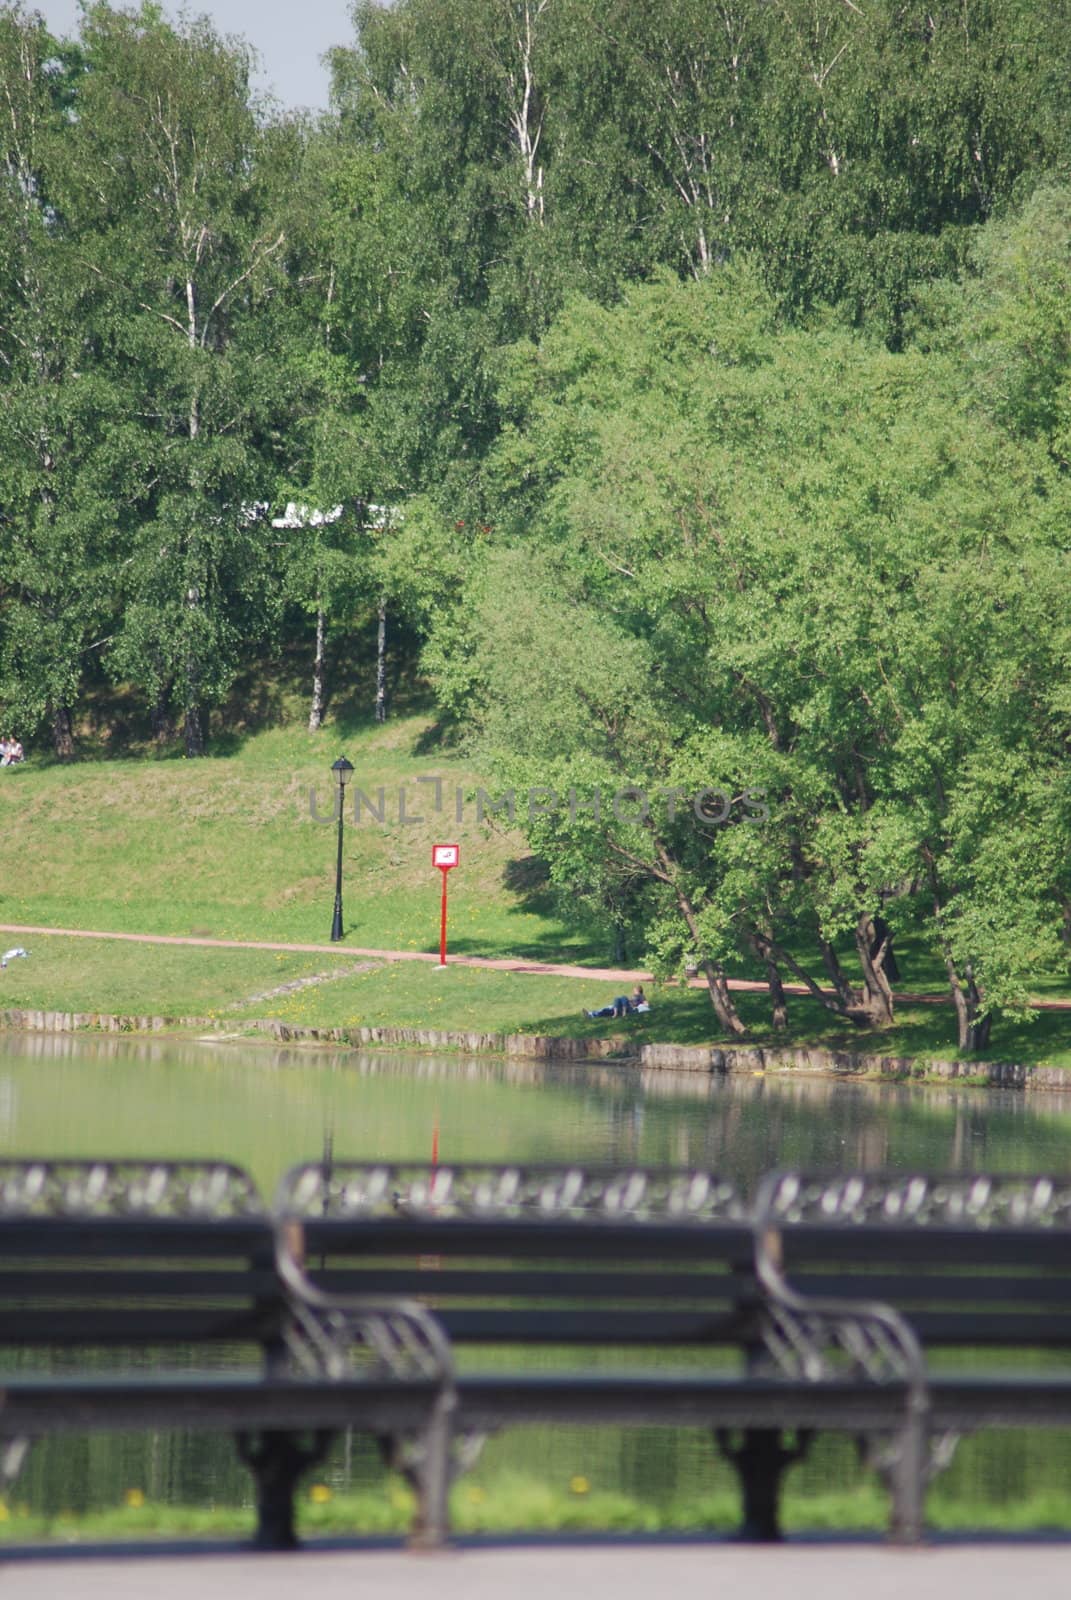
(290, 36)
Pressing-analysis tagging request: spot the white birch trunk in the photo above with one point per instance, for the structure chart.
(526, 117)
(316, 712)
(381, 662)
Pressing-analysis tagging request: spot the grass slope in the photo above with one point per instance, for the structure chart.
(227, 847)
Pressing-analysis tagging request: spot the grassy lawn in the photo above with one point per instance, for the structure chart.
(405, 994)
(235, 986)
(226, 847)
(509, 1503)
(132, 979)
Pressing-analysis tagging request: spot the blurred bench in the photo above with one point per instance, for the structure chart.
(607, 1296)
(978, 1266)
(145, 1294)
(432, 1305)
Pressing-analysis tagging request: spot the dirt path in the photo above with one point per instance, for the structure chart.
(617, 975)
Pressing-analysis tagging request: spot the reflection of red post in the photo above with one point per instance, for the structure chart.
(444, 856)
(434, 1262)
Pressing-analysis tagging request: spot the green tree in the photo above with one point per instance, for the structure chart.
(744, 556)
(71, 471)
(1015, 319)
(181, 231)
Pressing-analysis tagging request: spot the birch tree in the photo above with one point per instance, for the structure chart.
(182, 236)
(69, 471)
(692, 75)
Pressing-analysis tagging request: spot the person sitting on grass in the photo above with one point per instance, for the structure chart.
(624, 1005)
(10, 753)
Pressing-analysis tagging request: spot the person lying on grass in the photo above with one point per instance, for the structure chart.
(624, 1005)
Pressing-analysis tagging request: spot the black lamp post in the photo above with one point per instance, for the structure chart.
(342, 770)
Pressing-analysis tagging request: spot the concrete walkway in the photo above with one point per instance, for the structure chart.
(604, 1571)
(617, 975)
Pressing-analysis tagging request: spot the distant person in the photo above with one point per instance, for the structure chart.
(11, 753)
(624, 1005)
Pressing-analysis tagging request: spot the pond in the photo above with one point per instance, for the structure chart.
(267, 1108)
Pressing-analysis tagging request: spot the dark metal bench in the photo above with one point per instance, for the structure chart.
(653, 1269)
(110, 1269)
(971, 1262)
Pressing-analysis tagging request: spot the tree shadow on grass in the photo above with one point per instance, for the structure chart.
(442, 736)
(528, 876)
(554, 948)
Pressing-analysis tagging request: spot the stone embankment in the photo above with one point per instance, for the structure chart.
(617, 1048)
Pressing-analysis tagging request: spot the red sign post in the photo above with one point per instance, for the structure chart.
(445, 857)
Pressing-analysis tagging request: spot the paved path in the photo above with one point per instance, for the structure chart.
(492, 963)
(605, 1571)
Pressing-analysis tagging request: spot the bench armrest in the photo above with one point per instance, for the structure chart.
(331, 1335)
(817, 1338)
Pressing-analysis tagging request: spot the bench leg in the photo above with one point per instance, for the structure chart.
(905, 1462)
(277, 1461)
(761, 1459)
(426, 1462)
(13, 1453)
(907, 1481)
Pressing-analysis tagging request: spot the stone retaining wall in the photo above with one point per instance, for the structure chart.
(804, 1058)
(98, 1021)
(706, 1059)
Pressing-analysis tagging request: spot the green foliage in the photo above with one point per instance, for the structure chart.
(1019, 319)
(69, 465)
(180, 233)
(775, 558)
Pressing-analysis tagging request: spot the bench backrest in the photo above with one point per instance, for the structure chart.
(534, 1255)
(969, 1259)
(112, 1253)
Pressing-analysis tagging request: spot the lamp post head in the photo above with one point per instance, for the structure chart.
(343, 771)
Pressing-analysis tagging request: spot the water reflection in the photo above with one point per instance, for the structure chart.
(267, 1108)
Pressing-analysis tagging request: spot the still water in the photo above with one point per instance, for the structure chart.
(267, 1108)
